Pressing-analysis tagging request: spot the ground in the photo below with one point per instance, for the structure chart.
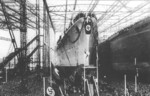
(12, 88)
(35, 88)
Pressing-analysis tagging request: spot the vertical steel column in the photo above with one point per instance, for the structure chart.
(65, 16)
(23, 31)
(97, 69)
(44, 36)
(23, 27)
(38, 31)
(47, 41)
(48, 49)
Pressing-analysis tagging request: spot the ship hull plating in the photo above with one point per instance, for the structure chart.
(132, 50)
(76, 47)
(128, 50)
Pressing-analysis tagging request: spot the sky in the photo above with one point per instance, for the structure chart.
(112, 11)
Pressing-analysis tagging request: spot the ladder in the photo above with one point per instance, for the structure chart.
(96, 85)
(91, 87)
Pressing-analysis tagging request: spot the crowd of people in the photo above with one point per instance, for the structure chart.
(117, 88)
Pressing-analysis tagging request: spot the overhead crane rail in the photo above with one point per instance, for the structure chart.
(133, 11)
(13, 14)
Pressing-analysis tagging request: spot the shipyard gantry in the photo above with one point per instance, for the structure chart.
(74, 47)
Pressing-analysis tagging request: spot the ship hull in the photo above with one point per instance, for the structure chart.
(77, 47)
(127, 51)
(131, 51)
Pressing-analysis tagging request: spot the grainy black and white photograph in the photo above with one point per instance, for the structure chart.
(74, 48)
